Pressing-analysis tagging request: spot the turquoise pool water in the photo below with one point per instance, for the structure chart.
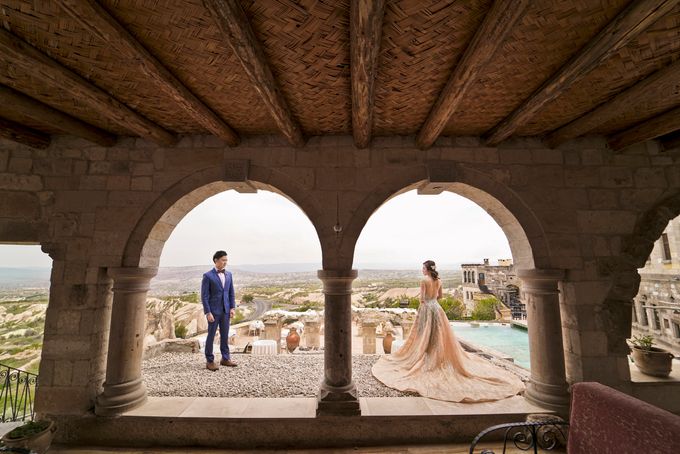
(505, 338)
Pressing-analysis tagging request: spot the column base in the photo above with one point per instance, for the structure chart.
(338, 401)
(119, 398)
(552, 397)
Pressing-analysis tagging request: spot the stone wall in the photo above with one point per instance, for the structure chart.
(579, 208)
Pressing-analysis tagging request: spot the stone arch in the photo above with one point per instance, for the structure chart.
(528, 244)
(146, 242)
(623, 269)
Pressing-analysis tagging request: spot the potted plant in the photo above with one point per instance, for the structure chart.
(33, 435)
(651, 360)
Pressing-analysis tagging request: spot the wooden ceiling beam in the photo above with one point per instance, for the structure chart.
(660, 125)
(100, 23)
(498, 22)
(45, 114)
(634, 19)
(622, 102)
(365, 29)
(233, 23)
(30, 60)
(21, 134)
(670, 141)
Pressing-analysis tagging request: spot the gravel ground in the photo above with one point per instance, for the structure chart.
(298, 375)
(184, 374)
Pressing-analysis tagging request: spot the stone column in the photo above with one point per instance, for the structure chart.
(123, 388)
(312, 334)
(272, 331)
(548, 385)
(338, 393)
(368, 335)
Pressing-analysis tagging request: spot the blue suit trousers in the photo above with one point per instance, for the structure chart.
(221, 321)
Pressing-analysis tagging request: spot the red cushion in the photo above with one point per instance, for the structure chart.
(604, 420)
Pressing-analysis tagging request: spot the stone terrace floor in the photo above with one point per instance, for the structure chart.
(425, 449)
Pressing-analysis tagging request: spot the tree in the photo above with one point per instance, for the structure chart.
(247, 298)
(485, 309)
(454, 309)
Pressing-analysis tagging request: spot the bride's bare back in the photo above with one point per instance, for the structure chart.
(430, 289)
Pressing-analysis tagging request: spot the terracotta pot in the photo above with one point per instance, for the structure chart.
(38, 442)
(655, 362)
(387, 342)
(292, 340)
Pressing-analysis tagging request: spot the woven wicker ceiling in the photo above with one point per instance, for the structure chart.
(306, 45)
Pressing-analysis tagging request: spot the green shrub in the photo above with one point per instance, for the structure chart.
(485, 309)
(180, 330)
(247, 298)
(644, 342)
(30, 428)
(454, 309)
(237, 318)
(307, 305)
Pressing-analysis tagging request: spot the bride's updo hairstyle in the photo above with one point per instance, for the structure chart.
(431, 268)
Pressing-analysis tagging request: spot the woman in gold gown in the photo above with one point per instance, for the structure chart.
(432, 362)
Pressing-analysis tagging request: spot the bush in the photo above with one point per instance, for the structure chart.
(414, 303)
(28, 429)
(190, 298)
(485, 309)
(454, 309)
(247, 298)
(238, 317)
(180, 330)
(307, 305)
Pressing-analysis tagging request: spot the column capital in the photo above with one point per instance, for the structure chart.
(132, 279)
(540, 280)
(337, 282)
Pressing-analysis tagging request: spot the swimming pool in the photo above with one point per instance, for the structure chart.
(502, 337)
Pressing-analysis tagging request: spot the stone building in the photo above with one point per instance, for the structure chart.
(656, 308)
(120, 117)
(482, 280)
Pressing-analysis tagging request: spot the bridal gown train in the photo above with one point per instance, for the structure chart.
(432, 363)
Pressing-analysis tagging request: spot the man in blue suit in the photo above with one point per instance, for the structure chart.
(217, 296)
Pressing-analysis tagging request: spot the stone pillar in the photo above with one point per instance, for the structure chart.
(368, 335)
(548, 385)
(123, 388)
(272, 331)
(338, 393)
(312, 334)
(406, 327)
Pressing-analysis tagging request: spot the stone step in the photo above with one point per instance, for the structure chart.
(291, 423)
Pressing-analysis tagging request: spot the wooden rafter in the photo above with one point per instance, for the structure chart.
(671, 141)
(238, 33)
(21, 134)
(625, 100)
(45, 114)
(31, 60)
(365, 28)
(665, 123)
(100, 23)
(499, 21)
(634, 19)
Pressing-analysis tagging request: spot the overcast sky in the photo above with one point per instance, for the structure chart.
(266, 228)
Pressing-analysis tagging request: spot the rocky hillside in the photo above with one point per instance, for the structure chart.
(22, 324)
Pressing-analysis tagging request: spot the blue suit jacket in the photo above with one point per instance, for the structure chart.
(215, 298)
